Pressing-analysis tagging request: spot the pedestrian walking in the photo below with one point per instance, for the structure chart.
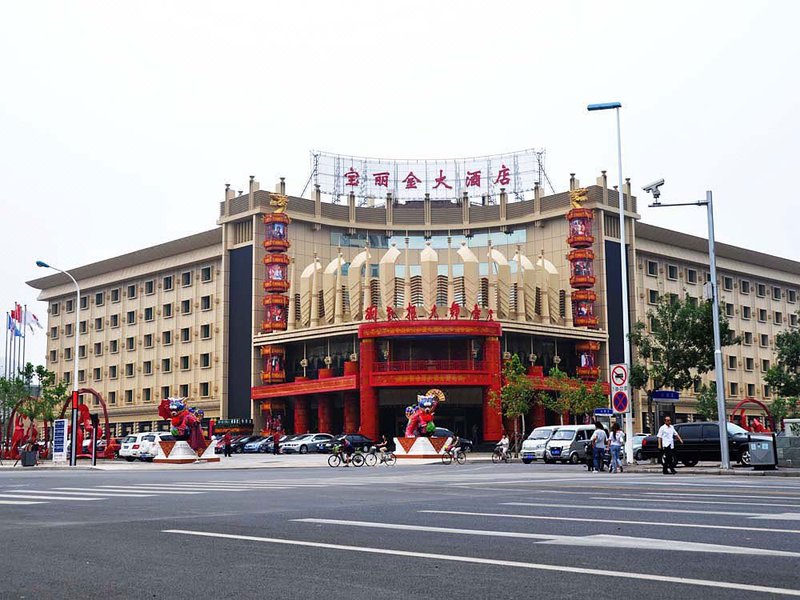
(598, 440)
(226, 442)
(666, 443)
(615, 446)
(276, 437)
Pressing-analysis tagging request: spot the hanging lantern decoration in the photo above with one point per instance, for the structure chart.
(587, 360)
(275, 317)
(581, 260)
(277, 279)
(276, 263)
(274, 370)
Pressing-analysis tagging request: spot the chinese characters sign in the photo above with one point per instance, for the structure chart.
(443, 179)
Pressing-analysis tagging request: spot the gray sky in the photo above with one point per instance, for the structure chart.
(120, 123)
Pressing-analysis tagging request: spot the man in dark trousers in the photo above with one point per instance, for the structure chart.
(666, 442)
(226, 441)
(275, 439)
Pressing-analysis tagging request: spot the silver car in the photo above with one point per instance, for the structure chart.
(533, 447)
(305, 443)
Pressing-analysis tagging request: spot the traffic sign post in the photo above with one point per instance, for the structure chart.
(620, 402)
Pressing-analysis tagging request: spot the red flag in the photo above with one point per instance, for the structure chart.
(16, 314)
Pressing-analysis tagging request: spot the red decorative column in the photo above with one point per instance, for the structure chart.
(492, 418)
(537, 415)
(368, 394)
(324, 414)
(301, 414)
(350, 412)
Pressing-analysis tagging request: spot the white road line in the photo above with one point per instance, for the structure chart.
(599, 540)
(501, 563)
(749, 515)
(81, 492)
(128, 488)
(779, 517)
(20, 502)
(41, 497)
(693, 494)
(614, 521)
(685, 482)
(217, 487)
(677, 501)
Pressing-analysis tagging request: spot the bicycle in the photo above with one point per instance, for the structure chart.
(499, 456)
(386, 458)
(456, 454)
(337, 458)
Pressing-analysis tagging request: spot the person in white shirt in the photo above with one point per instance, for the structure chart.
(503, 444)
(666, 443)
(616, 441)
(598, 440)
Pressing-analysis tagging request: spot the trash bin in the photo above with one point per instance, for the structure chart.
(763, 453)
(28, 458)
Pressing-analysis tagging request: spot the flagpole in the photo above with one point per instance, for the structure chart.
(5, 348)
(24, 334)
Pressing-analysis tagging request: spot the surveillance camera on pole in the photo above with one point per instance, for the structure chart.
(655, 189)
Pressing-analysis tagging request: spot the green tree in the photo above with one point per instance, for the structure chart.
(679, 347)
(784, 375)
(556, 400)
(707, 402)
(572, 395)
(516, 394)
(784, 408)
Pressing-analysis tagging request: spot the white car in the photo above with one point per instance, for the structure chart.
(129, 449)
(305, 443)
(533, 447)
(148, 446)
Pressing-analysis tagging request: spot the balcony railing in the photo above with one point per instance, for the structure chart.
(429, 365)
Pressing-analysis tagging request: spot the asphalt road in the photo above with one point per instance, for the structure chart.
(472, 531)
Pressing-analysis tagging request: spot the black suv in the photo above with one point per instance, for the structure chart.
(463, 443)
(701, 442)
(359, 442)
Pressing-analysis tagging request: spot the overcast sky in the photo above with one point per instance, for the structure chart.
(120, 123)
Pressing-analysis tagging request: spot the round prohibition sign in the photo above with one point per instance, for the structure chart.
(620, 402)
(619, 375)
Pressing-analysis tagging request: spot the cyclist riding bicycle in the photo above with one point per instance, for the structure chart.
(382, 446)
(453, 446)
(347, 450)
(503, 444)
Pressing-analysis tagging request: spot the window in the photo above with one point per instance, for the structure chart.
(793, 319)
(762, 315)
(205, 360)
(791, 296)
(82, 351)
(115, 295)
(128, 396)
(131, 291)
(205, 331)
(165, 391)
(766, 391)
(184, 390)
(54, 333)
(744, 286)
(731, 362)
(166, 365)
(204, 389)
(147, 367)
(70, 306)
(186, 278)
(112, 372)
(652, 268)
(206, 273)
(765, 364)
(112, 397)
(81, 376)
(129, 371)
(167, 308)
(166, 338)
(84, 302)
(729, 309)
(672, 272)
(185, 363)
(747, 313)
(749, 364)
(98, 324)
(205, 303)
(67, 377)
(168, 283)
(53, 356)
(652, 296)
(751, 390)
(748, 338)
(149, 287)
(99, 299)
(691, 300)
(761, 290)
(186, 334)
(114, 320)
(148, 340)
(54, 308)
(697, 386)
(764, 340)
(97, 374)
(147, 394)
(778, 317)
(113, 346)
(727, 283)
(130, 317)
(130, 343)
(68, 329)
(82, 327)
(776, 293)
(186, 307)
(98, 349)
(734, 388)
(691, 275)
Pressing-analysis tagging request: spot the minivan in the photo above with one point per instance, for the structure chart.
(533, 447)
(130, 446)
(568, 444)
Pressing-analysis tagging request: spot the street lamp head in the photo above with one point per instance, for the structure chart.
(604, 106)
(41, 263)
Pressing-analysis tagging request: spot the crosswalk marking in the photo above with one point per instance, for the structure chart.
(667, 509)
(145, 488)
(677, 501)
(20, 502)
(40, 497)
(83, 492)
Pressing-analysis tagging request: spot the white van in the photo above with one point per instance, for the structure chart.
(568, 444)
(129, 449)
(148, 447)
(533, 447)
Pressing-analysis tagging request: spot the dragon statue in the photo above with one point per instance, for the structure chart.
(578, 196)
(279, 201)
(420, 416)
(184, 421)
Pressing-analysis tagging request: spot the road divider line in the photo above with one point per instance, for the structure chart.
(82, 492)
(678, 501)
(627, 508)
(22, 496)
(144, 489)
(730, 585)
(20, 502)
(614, 521)
(700, 495)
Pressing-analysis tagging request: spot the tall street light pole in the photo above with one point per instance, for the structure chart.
(720, 377)
(73, 450)
(623, 261)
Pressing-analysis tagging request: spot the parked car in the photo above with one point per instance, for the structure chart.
(129, 450)
(257, 444)
(148, 447)
(359, 442)
(305, 443)
(237, 447)
(701, 442)
(533, 447)
(567, 444)
(638, 438)
(219, 443)
(464, 443)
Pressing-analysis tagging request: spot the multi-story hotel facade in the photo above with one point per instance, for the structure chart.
(289, 308)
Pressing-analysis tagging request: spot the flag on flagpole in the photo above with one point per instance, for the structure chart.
(12, 327)
(31, 321)
(16, 312)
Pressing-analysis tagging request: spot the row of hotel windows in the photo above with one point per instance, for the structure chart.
(727, 282)
(730, 310)
(130, 343)
(167, 284)
(733, 388)
(149, 315)
(147, 393)
(184, 362)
